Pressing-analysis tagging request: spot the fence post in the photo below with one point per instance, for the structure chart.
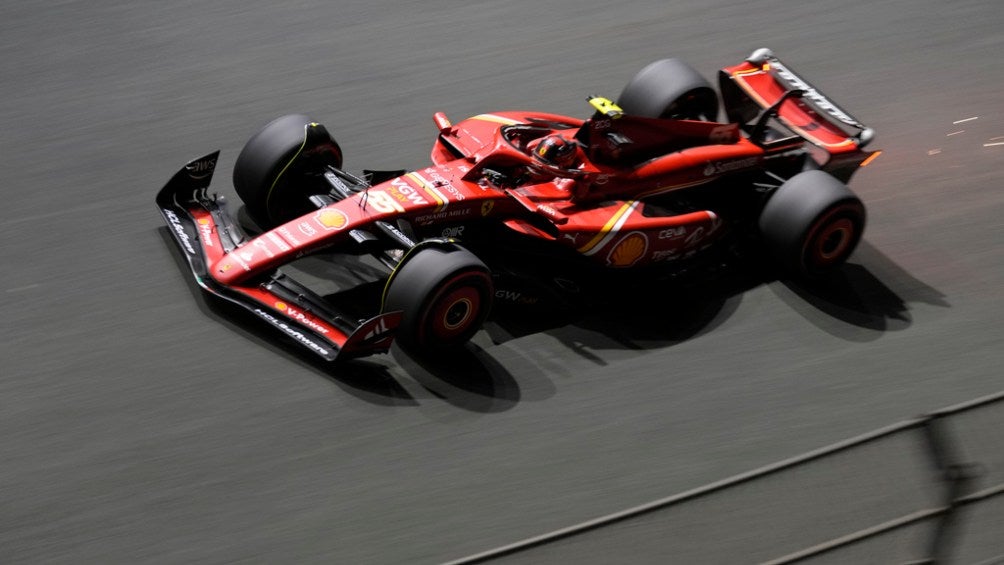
(957, 477)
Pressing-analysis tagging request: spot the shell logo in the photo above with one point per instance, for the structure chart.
(204, 221)
(280, 306)
(628, 250)
(332, 218)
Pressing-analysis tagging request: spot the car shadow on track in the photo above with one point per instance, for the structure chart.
(871, 295)
(636, 321)
(867, 298)
(365, 379)
(645, 318)
(469, 378)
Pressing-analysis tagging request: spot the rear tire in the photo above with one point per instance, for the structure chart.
(445, 293)
(812, 224)
(280, 167)
(669, 88)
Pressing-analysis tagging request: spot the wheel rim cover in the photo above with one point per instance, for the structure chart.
(454, 313)
(833, 240)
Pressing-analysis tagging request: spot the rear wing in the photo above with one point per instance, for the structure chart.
(763, 87)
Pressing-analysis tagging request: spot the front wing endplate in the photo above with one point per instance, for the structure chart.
(204, 231)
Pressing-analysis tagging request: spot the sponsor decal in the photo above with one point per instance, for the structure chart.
(289, 236)
(666, 255)
(548, 210)
(700, 234)
(243, 257)
(291, 332)
(264, 247)
(673, 233)
(300, 317)
(516, 297)
(201, 169)
(812, 94)
(442, 215)
(456, 231)
(277, 241)
(486, 207)
(628, 250)
(695, 237)
(430, 188)
(722, 134)
(337, 182)
(722, 167)
(206, 231)
(179, 230)
(401, 191)
(439, 181)
(602, 124)
(567, 285)
(398, 233)
(380, 201)
(331, 218)
(457, 195)
(307, 229)
(379, 330)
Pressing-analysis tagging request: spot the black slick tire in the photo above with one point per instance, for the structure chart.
(669, 88)
(445, 293)
(280, 167)
(811, 225)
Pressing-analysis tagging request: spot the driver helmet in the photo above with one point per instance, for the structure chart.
(556, 150)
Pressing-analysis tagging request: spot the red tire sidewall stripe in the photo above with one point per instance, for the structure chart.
(445, 290)
(812, 252)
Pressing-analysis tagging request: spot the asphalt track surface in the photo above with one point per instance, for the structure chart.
(141, 426)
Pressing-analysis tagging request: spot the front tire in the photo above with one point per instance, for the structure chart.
(669, 88)
(280, 167)
(812, 224)
(445, 293)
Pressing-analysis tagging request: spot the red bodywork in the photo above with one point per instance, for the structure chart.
(600, 214)
(598, 209)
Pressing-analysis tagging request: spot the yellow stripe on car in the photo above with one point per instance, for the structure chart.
(496, 119)
(610, 228)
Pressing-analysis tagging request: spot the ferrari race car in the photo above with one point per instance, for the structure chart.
(524, 208)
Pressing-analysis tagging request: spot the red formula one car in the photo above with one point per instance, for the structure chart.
(528, 208)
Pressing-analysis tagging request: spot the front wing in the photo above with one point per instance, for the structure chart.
(204, 231)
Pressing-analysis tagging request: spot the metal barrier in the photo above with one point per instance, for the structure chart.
(941, 469)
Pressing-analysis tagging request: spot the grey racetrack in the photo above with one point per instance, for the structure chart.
(139, 425)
